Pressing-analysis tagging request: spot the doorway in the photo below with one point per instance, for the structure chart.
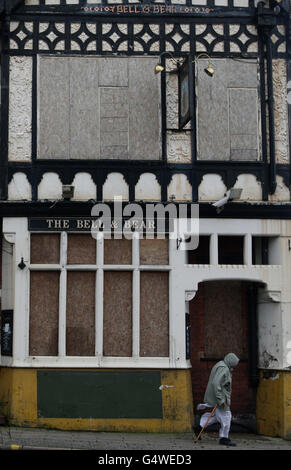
(223, 320)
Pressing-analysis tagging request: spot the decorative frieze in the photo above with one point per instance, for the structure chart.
(87, 36)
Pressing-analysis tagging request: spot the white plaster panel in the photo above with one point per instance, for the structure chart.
(280, 110)
(178, 147)
(148, 188)
(50, 187)
(172, 96)
(270, 335)
(251, 187)
(179, 188)
(211, 188)
(20, 108)
(114, 186)
(85, 187)
(288, 344)
(19, 188)
(282, 192)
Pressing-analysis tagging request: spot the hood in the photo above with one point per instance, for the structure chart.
(231, 360)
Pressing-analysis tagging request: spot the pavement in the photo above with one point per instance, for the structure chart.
(35, 439)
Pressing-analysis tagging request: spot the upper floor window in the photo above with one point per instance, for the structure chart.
(228, 110)
(98, 108)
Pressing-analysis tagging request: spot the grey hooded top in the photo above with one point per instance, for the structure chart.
(218, 390)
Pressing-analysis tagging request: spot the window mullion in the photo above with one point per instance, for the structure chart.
(135, 296)
(99, 293)
(63, 295)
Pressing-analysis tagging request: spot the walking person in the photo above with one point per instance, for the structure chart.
(218, 392)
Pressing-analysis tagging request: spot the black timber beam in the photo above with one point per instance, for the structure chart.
(8, 6)
(61, 208)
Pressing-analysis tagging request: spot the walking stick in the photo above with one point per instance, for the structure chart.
(206, 423)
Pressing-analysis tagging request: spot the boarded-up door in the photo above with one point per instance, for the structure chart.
(220, 323)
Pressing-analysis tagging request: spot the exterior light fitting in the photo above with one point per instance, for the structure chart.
(160, 68)
(209, 70)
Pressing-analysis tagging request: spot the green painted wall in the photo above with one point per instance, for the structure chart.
(82, 394)
(115, 400)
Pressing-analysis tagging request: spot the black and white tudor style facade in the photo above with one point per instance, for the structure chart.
(120, 334)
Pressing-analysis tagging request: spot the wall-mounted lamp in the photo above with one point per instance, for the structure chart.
(68, 191)
(159, 67)
(209, 70)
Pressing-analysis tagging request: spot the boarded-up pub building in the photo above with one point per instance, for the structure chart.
(120, 334)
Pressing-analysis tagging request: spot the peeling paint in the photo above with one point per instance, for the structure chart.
(271, 374)
(267, 359)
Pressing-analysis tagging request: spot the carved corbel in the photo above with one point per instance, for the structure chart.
(189, 295)
(9, 237)
(270, 296)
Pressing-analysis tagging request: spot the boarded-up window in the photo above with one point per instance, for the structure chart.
(44, 313)
(98, 108)
(80, 321)
(228, 111)
(154, 314)
(45, 248)
(154, 251)
(81, 249)
(117, 251)
(117, 326)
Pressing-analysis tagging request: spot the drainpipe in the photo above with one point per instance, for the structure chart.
(266, 20)
(253, 335)
(272, 174)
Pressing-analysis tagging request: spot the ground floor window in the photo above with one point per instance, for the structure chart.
(106, 298)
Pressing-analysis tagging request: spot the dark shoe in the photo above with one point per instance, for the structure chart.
(197, 430)
(226, 442)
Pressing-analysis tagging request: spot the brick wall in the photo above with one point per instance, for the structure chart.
(219, 324)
